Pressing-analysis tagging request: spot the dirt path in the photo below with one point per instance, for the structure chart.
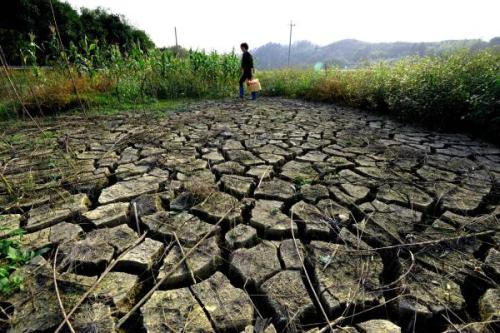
(290, 211)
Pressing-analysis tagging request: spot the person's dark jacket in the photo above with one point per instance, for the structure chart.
(247, 61)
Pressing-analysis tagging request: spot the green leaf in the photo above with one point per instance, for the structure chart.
(14, 254)
(4, 272)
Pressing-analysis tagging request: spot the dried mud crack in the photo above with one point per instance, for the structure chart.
(296, 216)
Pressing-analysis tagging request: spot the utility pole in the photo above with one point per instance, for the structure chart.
(176, 45)
(290, 42)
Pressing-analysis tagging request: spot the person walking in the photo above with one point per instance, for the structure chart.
(247, 69)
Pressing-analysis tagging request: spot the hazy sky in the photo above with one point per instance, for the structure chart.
(223, 24)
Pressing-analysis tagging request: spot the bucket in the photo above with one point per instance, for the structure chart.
(254, 85)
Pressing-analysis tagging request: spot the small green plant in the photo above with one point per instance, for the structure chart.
(301, 181)
(325, 260)
(275, 211)
(12, 257)
(15, 139)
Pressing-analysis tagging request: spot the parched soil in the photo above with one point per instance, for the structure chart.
(280, 214)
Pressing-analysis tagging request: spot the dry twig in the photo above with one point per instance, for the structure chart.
(184, 254)
(323, 312)
(136, 219)
(61, 306)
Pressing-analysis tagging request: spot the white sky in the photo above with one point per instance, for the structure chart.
(223, 24)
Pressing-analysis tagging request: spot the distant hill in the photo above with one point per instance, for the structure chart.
(349, 53)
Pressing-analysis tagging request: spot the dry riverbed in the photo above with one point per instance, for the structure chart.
(290, 214)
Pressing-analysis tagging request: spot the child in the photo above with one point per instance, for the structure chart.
(247, 69)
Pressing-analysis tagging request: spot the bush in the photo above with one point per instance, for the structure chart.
(456, 91)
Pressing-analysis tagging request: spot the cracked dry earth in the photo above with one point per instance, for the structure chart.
(289, 214)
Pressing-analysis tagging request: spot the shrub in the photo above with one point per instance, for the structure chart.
(460, 90)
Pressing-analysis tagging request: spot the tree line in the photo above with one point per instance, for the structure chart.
(31, 22)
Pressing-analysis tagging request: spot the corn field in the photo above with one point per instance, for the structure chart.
(84, 78)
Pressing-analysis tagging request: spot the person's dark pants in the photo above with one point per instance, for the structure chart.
(247, 75)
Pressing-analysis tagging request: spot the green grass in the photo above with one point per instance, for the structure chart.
(7, 110)
(102, 104)
(458, 91)
(15, 138)
(8, 139)
(108, 104)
